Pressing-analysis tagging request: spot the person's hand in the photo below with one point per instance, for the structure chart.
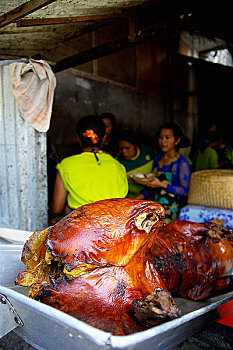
(156, 183)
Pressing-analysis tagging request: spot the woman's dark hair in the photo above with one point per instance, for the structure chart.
(91, 130)
(211, 136)
(109, 116)
(178, 134)
(129, 136)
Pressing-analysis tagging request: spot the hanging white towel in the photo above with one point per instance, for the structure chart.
(33, 86)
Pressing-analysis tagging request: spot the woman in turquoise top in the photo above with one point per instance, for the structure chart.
(135, 158)
(90, 176)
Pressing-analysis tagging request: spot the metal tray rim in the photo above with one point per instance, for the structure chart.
(95, 335)
(100, 337)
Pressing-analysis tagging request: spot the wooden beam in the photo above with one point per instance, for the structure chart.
(105, 49)
(159, 30)
(63, 20)
(198, 62)
(22, 10)
(91, 54)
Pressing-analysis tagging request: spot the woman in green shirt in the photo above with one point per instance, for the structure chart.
(136, 158)
(207, 156)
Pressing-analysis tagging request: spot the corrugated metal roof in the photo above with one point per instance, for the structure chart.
(23, 170)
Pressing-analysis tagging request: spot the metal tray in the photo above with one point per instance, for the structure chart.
(44, 327)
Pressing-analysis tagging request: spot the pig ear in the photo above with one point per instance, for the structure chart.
(145, 221)
(155, 307)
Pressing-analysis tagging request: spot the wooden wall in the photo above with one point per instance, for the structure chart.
(141, 85)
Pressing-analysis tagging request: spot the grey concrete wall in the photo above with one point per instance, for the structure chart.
(76, 96)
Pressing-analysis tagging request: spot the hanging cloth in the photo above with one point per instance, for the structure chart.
(33, 86)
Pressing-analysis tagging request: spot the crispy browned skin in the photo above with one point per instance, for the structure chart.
(92, 265)
(104, 232)
(112, 265)
(194, 260)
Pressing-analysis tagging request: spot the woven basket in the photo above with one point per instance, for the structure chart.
(212, 188)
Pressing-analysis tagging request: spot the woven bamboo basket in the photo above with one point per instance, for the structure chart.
(212, 188)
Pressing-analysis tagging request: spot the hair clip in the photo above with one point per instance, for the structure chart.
(90, 133)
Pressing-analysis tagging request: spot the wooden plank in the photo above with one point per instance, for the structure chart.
(22, 10)
(63, 20)
(151, 58)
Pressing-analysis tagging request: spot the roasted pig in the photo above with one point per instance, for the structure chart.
(194, 260)
(113, 265)
(92, 265)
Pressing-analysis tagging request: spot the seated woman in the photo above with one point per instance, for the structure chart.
(172, 172)
(135, 158)
(89, 176)
(207, 156)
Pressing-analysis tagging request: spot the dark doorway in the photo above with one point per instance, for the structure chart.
(215, 100)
